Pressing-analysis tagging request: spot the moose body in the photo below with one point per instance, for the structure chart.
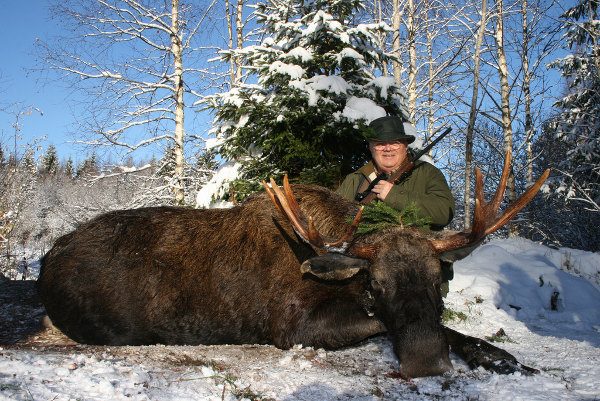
(185, 276)
(264, 275)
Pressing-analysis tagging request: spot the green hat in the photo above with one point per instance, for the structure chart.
(389, 128)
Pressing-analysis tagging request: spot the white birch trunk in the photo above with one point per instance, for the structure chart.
(527, 94)
(396, 21)
(239, 26)
(473, 114)
(177, 50)
(378, 15)
(431, 71)
(232, 63)
(412, 59)
(505, 99)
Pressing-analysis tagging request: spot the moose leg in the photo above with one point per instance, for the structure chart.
(331, 325)
(477, 352)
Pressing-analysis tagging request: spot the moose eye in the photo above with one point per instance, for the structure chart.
(377, 287)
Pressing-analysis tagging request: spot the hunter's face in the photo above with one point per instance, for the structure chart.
(388, 155)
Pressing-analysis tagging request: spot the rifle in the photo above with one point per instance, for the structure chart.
(401, 173)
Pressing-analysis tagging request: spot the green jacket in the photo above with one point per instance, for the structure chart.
(425, 186)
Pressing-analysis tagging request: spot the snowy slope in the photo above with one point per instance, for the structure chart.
(505, 284)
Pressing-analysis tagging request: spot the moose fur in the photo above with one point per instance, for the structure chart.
(233, 276)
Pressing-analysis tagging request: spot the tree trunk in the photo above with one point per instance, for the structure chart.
(473, 115)
(505, 99)
(396, 21)
(239, 27)
(431, 70)
(527, 94)
(412, 59)
(378, 15)
(232, 63)
(177, 50)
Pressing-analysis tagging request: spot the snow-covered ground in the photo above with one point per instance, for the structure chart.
(512, 285)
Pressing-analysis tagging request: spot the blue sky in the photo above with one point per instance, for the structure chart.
(45, 108)
(21, 89)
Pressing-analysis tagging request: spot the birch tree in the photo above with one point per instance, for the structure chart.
(396, 21)
(235, 32)
(504, 91)
(473, 113)
(132, 60)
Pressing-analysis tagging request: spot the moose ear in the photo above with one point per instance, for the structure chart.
(333, 266)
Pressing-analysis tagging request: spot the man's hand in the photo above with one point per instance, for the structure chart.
(382, 189)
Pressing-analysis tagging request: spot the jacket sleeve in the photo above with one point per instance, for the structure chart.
(349, 186)
(431, 194)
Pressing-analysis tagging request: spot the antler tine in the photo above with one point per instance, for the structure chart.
(314, 237)
(294, 219)
(485, 220)
(499, 195)
(480, 212)
(271, 194)
(287, 204)
(519, 204)
(351, 229)
(287, 189)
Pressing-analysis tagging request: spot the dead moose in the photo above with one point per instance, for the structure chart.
(258, 274)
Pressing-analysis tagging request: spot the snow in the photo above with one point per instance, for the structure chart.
(349, 53)
(384, 84)
(360, 108)
(217, 186)
(312, 86)
(292, 70)
(564, 345)
(301, 53)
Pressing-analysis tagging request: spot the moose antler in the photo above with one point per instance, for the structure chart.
(305, 227)
(485, 219)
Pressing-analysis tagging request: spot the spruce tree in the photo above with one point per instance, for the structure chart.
(69, 168)
(89, 167)
(313, 92)
(166, 165)
(578, 124)
(50, 161)
(28, 163)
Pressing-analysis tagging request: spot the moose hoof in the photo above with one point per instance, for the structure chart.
(507, 367)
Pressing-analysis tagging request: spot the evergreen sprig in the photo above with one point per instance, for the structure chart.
(379, 215)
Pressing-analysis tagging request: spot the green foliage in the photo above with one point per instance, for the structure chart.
(579, 119)
(69, 168)
(240, 188)
(500, 337)
(311, 68)
(89, 167)
(379, 215)
(50, 161)
(449, 315)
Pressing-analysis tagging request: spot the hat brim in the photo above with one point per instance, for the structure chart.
(391, 138)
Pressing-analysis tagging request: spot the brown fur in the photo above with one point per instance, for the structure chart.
(185, 276)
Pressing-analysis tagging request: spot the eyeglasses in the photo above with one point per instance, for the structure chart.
(390, 145)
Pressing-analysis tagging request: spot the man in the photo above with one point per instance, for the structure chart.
(425, 187)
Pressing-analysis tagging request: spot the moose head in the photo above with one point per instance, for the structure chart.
(403, 265)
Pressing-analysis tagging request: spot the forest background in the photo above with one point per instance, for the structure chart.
(193, 103)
